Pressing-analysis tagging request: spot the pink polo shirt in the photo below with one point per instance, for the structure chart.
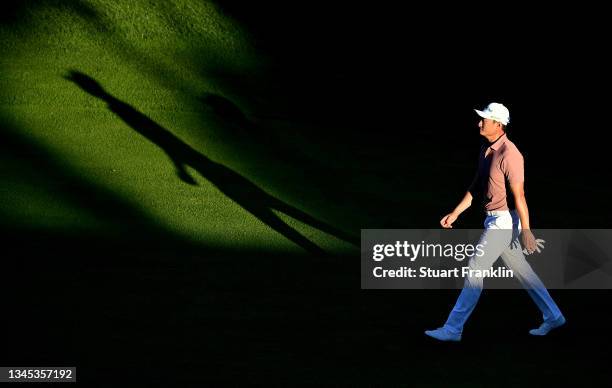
(499, 165)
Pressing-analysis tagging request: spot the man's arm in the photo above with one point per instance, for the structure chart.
(447, 221)
(527, 237)
(521, 203)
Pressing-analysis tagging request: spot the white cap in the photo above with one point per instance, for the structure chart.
(495, 111)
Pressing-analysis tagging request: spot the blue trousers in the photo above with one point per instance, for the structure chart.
(500, 238)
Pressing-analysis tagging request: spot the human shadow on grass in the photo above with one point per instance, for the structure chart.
(248, 195)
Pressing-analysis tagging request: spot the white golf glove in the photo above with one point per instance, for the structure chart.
(539, 246)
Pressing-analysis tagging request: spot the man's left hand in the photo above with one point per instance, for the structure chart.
(529, 242)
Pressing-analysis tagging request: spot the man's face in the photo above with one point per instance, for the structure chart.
(488, 127)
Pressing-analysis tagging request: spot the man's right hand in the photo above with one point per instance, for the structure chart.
(447, 220)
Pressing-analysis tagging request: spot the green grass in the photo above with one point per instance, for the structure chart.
(160, 58)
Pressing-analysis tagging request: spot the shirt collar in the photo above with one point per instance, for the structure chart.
(499, 142)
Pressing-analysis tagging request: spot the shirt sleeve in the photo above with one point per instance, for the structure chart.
(513, 167)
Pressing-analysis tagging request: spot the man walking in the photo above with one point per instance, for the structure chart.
(500, 165)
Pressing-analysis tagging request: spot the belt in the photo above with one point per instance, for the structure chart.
(498, 212)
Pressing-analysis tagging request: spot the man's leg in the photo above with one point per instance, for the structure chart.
(495, 242)
(514, 258)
